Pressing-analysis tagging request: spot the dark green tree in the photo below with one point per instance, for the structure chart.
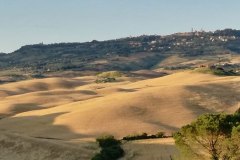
(110, 148)
(232, 148)
(205, 136)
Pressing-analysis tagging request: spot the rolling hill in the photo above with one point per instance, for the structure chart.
(54, 108)
(76, 110)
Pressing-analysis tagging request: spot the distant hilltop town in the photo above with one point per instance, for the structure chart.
(190, 50)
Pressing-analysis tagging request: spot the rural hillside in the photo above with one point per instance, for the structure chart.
(65, 115)
(119, 80)
(56, 99)
(176, 51)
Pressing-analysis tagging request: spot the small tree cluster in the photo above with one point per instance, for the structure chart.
(144, 136)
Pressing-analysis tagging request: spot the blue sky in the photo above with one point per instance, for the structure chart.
(49, 21)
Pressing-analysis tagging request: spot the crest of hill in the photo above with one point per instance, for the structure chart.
(126, 54)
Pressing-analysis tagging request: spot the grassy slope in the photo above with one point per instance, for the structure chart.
(75, 108)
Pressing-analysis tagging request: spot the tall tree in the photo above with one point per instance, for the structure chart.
(205, 137)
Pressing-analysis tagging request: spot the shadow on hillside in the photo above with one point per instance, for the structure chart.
(126, 90)
(24, 107)
(2, 116)
(42, 86)
(39, 127)
(164, 126)
(212, 98)
(65, 92)
(149, 74)
(7, 93)
(88, 92)
(20, 108)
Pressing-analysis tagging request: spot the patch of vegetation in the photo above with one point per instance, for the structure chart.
(178, 67)
(144, 136)
(215, 71)
(106, 77)
(110, 148)
(212, 135)
(110, 74)
(38, 75)
(105, 80)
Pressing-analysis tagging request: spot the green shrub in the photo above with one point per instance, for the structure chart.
(112, 153)
(105, 80)
(107, 141)
(98, 156)
(160, 135)
(106, 77)
(110, 148)
(110, 74)
(144, 136)
(216, 71)
(136, 137)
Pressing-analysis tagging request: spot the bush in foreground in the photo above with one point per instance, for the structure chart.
(110, 148)
(107, 141)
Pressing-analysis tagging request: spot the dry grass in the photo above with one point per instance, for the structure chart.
(73, 109)
(157, 149)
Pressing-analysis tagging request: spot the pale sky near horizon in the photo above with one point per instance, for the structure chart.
(25, 22)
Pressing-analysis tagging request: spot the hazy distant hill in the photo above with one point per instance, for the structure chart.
(127, 54)
(59, 117)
